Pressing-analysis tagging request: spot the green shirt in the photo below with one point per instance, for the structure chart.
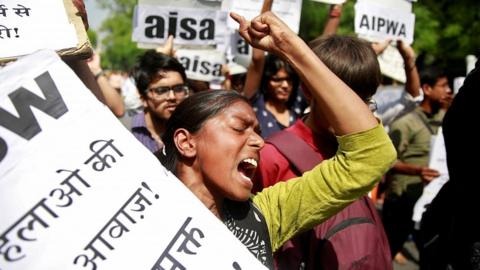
(411, 135)
(299, 204)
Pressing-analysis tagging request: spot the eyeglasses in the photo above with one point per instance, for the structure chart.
(162, 92)
(372, 104)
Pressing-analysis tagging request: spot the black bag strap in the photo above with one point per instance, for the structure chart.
(295, 150)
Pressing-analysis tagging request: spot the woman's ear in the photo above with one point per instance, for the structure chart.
(185, 143)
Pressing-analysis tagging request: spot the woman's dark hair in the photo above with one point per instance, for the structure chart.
(352, 60)
(272, 65)
(191, 114)
(149, 64)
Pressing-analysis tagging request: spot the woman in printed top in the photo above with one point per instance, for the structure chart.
(272, 86)
(212, 145)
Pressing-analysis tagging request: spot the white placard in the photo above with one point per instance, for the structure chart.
(457, 84)
(241, 50)
(189, 26)
(392, 64)
(288, 10)
(332, 2)
(30, 25)
(78, 191)
(212, 4)
(402, 5)
(438, 161)
(202, 65)
(378, 23)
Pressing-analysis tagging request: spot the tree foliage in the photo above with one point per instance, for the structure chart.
(119, 52)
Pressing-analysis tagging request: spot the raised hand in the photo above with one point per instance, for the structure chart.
(167, 48)
(266, 32)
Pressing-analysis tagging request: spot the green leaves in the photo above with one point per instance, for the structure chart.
(118, 50)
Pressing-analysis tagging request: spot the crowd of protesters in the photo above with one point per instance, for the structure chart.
(318, 212)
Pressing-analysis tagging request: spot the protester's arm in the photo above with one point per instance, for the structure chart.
(167, 48)
(81, 69)
(300, 204)
(427, 174)
(255, 69)
(346, 112)
(227, 82)
(412, 84)
(113, 98)
(365, 151)
(333, 20)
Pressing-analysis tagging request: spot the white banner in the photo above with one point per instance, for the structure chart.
(403, 5)
(378, 23)
(437, 161)
(29, 25)
(189, 26)
(78, 191)
(202, 65)
(330, 1)
(212, 4)
(241, 50)
(288, 10)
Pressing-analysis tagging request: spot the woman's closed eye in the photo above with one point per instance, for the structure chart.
(240, 128)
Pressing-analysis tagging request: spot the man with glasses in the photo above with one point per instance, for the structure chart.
(161, 83)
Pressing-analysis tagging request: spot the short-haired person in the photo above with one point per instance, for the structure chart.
(212, 145)
(355, 63)
(161, 83)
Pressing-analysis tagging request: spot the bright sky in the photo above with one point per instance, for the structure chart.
(95, 14)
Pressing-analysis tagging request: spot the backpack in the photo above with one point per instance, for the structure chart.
(354, 238)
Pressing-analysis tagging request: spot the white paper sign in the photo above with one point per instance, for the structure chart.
(438, 161)
(377, 23)
(189, 26)
(78, 191)
(212, 4)
(30, 25)
(288, 10)
(392, 64)
(330, 1)
(202, 65)
(241, 50)
(402, 5)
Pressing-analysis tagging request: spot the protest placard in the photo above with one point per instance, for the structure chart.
(29, 25)
(288, 10)
(240, 50)
(78, 191)
(202, 4)
(377, 22)
(330, 1)
(197, 4)
(437, 161)
(189, 26)
(202, 65)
